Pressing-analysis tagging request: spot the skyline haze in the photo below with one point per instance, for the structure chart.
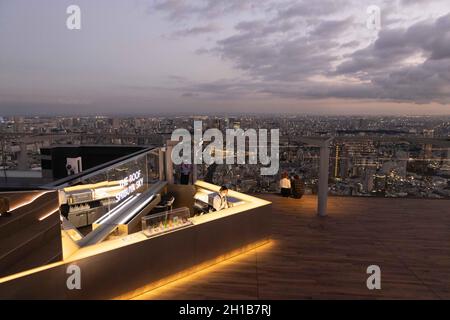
(221, 57)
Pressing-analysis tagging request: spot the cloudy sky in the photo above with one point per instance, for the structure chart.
(225, 56)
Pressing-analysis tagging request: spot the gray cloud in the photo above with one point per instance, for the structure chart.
(198, 30)
(272, 50)
(403, 64)
(189, 94)
(385, 65)
(182, 9)
(308, 8)
(350, 44)
(332, 28)
(283, 51)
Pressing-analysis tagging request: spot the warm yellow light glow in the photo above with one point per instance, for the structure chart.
(73, 253)
(93, 186)
(30, 271)
(45, 216)
(152, 290)
(25, 203)
(247, 203)
(101, 190)
(68, 240)
(83, 253)
(231, 193)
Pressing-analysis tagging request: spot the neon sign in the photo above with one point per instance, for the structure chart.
(129, 185)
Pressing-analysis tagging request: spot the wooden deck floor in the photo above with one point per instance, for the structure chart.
(326, 258)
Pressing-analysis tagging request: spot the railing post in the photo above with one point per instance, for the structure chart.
(161, 165)
(169, 164)
(323, 179)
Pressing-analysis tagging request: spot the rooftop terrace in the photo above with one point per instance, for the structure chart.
(312, 257)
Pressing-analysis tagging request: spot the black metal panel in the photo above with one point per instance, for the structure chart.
(30, 234)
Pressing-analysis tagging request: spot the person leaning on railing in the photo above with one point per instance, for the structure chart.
(220, 201)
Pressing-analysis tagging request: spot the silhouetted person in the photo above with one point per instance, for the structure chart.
(298, 187)
(185, 173)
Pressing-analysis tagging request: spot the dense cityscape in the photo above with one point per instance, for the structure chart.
(229, 156)
(369, 156)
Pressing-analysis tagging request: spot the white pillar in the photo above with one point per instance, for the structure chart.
(161, 165)
(169, 165)
(23, 157)
(323, 179)
(194, 173)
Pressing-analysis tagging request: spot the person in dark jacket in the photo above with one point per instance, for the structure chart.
(298, 187)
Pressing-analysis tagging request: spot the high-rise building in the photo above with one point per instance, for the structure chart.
(115, 123)
(19, 124)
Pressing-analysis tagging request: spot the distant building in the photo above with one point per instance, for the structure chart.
(115, 124)
(19, 124)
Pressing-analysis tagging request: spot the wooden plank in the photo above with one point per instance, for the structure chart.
(326, 258)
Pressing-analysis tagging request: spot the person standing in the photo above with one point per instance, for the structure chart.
(185, 169)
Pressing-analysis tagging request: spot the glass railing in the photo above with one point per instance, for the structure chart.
(358, 166)
(98, 191)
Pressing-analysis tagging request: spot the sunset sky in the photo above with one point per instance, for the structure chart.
(224, 56)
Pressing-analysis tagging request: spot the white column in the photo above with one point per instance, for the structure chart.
(194, 173)
(23, 157)
(169, 164)
(161, 165)
(323, 179)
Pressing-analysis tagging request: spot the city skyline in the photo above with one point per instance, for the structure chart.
(224, 57)
(369, 156)
(224, 150)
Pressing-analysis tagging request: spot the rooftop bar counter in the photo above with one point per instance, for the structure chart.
(156, 250)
